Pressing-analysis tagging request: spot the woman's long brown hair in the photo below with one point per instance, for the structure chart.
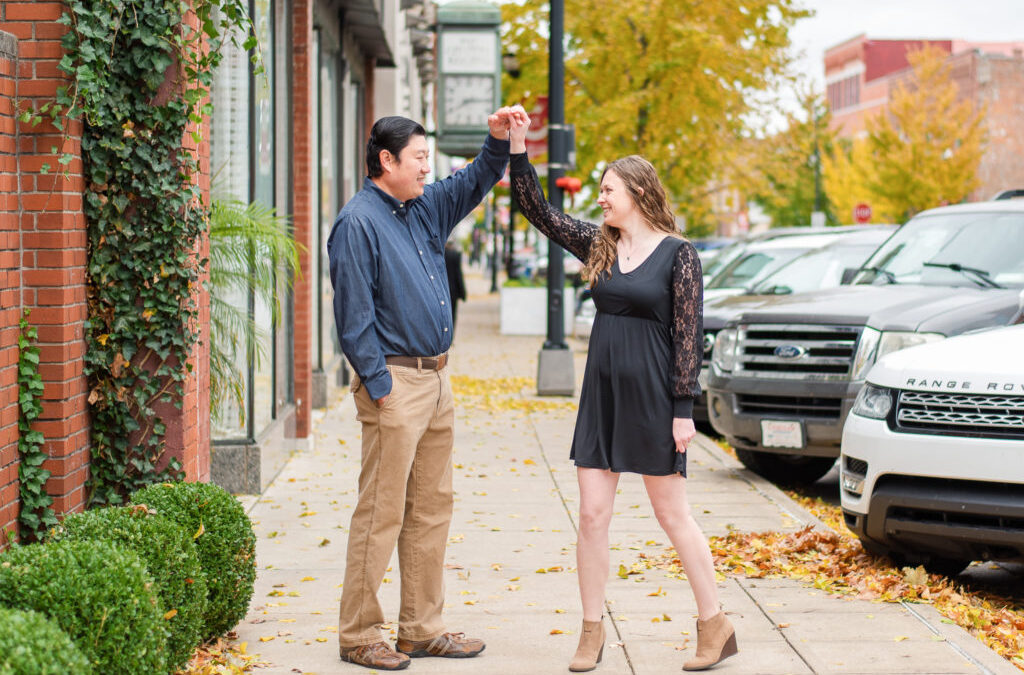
(641, 181)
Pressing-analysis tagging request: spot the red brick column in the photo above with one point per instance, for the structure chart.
(53, 243)
(10, 288)
(304, 218)
(188, 428)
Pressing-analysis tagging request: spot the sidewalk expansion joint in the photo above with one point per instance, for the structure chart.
(775, 627)
(953, 645)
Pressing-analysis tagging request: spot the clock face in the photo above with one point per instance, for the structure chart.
(468, 100)
(465, 51)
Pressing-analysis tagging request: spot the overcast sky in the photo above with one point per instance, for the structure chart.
(836, 21)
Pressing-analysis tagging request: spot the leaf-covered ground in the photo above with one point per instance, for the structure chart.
(225, 656)
(834, 561)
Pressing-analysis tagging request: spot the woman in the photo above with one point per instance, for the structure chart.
(640, 381)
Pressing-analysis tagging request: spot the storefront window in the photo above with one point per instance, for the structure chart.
(264, 192)
(327, 200)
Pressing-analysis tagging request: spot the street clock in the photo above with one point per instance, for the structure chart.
(469, 74)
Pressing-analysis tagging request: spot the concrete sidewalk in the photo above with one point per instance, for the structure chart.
(511, 559)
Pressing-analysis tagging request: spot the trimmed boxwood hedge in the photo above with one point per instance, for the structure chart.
(170, 557)
(100, 595)
(224, 539)
(32, 644)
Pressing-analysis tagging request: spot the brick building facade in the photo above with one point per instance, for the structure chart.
(321, 98)
(861, 74)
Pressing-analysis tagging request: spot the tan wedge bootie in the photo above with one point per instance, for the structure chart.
(591, 647)
(716, 640)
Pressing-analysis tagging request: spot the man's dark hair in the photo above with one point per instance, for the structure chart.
(391, 134)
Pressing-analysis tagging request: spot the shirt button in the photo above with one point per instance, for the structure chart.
(446, 329)
(421, 252)
(431, 276)
(393, 212)
(442, 303)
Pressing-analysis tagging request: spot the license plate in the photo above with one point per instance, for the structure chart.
(782, 434)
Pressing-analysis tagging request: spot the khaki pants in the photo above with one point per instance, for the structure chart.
(405, 497)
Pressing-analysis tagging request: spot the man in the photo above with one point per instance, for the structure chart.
(392, 309)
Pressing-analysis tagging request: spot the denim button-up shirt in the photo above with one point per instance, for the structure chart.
(387, 266)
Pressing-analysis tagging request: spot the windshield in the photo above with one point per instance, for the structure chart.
(723, 257)
(707, 257)
(814, 270)
(748, 269)
(934, 250)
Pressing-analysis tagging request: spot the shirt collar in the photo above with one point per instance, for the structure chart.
(392, 203)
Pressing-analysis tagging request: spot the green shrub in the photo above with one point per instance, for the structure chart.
(224, 538)
(100, 595)
(32, 644)
(170, 557)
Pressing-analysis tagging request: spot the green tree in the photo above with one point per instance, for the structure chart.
(783, 169)
(925, 152)
(672, 80)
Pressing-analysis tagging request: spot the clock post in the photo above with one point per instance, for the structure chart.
(469, 74)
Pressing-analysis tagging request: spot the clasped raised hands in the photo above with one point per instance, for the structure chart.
(507, 120)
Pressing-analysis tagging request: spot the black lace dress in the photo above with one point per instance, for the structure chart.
(645, 348)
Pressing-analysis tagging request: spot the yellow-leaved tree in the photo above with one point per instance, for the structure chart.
(844, 173)
(925, 152)
(673, 80)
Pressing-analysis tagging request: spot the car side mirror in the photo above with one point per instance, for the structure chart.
(848, 274)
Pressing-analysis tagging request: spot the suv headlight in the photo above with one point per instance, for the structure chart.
(895, 341)
(865, 356)
(874, 344)
(724, 353)
(874, 402)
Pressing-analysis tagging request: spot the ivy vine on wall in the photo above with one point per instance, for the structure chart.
(138, 72)
(35, 516)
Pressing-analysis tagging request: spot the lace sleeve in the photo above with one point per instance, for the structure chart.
(687, 328)
(573, 235)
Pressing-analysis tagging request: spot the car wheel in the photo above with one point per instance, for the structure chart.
(947, 567)
(785, 469)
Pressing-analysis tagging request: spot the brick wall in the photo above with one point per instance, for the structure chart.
(10, 288)
(304, 218)
(1002, 93)
(53, 252)
(43, 252)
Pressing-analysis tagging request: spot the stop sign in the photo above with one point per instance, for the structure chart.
(862, 213)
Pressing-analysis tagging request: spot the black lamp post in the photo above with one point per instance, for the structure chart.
(555, 369)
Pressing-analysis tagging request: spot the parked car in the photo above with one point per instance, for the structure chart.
(784, 375)
(814, 270)
(761, 258)
(726, 254)
(931, 453)
(748, 262)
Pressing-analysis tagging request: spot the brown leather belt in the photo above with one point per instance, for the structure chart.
(419, 362)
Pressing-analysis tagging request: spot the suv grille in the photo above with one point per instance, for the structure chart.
(803, 406)
(797, 351)
(991, 416)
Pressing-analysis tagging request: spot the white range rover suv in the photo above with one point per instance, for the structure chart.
(932, 458)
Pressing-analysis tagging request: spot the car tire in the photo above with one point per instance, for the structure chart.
(947, 567)
(792, 470)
